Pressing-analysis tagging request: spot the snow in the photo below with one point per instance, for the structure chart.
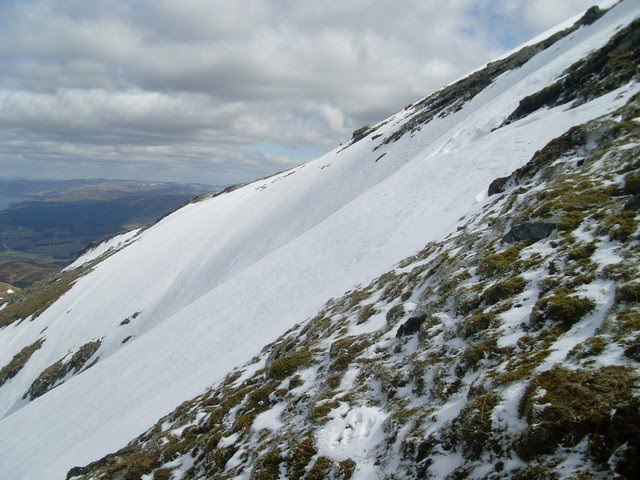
(602, 292)
(444, 464)
(506, 416)
(353, 433)
(270, 420)
(230, 440)
(217, 280)
(113, 243)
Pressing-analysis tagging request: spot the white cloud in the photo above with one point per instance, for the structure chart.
(193, 88)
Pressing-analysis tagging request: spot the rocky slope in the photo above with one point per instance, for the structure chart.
(508, 350)
(507, 346)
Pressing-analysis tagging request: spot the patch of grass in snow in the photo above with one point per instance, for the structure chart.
(476, 324)
(475, 353)
(531, 351)
(267, 466)
(561, 308)
(581, 252)
(472, 427)
(619, 226)
(50, 376)
(366, 312)
(129, 463)
(632, 183)
(563, 406)
(619, 272)
(467, 299)
(287, 365)
(628, 293)
(344, 350)
(320, 410)
(18, 361)
(299, 457)
(37, 298)
(570, 221)
(394, 314)
(494, 264)
(591, 347)
(320, 469)
(504, 290)
(162, 474)
(629, 320)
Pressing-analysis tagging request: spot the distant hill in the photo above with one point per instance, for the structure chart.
(52, 221)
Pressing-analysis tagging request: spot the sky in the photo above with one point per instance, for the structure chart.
(221, 92)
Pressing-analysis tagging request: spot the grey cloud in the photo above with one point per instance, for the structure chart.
(180, 89)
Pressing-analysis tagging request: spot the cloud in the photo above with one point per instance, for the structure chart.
(224, 91)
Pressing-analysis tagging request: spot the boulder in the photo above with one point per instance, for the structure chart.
(633, 203)
(360, 133)
(498, 185)
(529, 231)
(411, 326)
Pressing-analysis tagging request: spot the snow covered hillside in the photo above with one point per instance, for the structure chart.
(96, 356)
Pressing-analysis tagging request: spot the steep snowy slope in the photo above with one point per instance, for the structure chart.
(508, 350)
(203, 291)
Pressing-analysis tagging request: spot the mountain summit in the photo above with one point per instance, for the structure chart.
(452, 294)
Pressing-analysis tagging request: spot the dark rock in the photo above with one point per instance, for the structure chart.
(498, 185)
(529, 231)
(411, 326)
(55, 372)
(452, 98)
(633, 352)
(581, 139)
(591, 15)
(633, 203)
(601, 72)
(360, 133)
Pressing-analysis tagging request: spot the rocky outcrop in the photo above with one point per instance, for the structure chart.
(632, 204)
(453, 97)
(411, 326)
(55, 373)
(18, 361)
(529, 231)
(580, 139)
(601, 72)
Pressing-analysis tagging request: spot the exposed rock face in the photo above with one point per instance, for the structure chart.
(360, 133)
(498, 185)
(56, 373)
(18, 361)
(411, 326)
(601, 72)
(533, 231)
(453, 97)
(633, 203)
(580, 139)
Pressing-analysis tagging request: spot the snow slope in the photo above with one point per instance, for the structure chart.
(217, 280)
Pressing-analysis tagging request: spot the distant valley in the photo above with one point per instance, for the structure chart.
(45, 224)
